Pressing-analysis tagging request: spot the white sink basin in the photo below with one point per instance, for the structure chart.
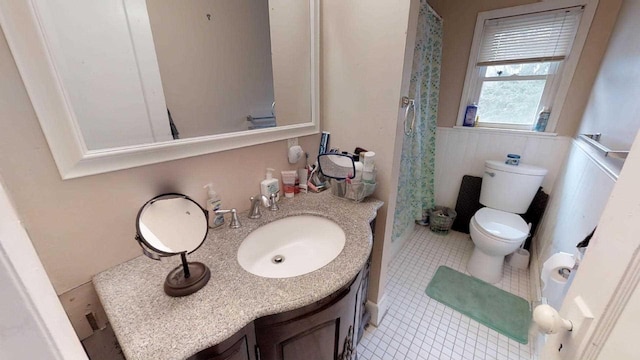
(291, 246)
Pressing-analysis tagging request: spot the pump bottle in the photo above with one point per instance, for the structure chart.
(213, 204)
(270, 185)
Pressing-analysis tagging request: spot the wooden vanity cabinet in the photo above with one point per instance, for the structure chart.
(325, 330)
(328, 329)
(240, 346)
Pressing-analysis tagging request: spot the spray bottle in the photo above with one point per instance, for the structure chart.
(213, 204)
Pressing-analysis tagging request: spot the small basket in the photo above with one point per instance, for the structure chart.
(441, 218)
(356, 191)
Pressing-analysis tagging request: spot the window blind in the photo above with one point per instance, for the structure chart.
(544, 36)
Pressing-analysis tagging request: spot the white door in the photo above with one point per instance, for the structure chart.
(33, 324)
(607, 280)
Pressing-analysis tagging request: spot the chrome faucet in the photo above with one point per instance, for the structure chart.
(254, 212)
(270, 202)
(235, 223)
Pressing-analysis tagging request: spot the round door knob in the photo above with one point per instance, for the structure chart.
(549, 321)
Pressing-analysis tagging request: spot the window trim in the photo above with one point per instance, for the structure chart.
(471, 86)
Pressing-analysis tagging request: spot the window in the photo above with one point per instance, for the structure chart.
(518, 62)
(511, 94)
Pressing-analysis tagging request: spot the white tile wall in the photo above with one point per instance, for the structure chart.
(418, 327)
(462, 152)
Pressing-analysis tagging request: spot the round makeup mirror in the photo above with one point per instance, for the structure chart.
(337, 166)
(174, 224)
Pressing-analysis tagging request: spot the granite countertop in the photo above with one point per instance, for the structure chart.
(152, 325)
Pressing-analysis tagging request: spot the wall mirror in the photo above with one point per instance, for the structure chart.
(119, 84)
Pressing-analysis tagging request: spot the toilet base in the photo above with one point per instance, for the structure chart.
(485, 267)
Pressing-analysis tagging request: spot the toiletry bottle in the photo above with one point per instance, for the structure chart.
(543, 118)
(303, 177)
(270, 185)
(470, 115)
(213, 204)
(288, 182)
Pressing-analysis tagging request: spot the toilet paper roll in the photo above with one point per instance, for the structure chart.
(551, 274)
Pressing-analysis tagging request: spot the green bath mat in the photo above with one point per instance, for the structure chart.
(501, 311)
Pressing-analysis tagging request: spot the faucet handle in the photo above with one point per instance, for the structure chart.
(235, 223)
(273, 205)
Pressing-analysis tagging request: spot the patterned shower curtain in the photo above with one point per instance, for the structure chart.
(416, 190)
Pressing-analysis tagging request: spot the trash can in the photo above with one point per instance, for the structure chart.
(441, 219)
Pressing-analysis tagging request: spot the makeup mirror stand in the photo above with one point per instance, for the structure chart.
(173, 224)
(186, 278)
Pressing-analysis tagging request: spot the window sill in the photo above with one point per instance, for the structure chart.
(505, 131)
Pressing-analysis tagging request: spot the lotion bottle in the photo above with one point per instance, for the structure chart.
(470, 115)
(270, 185)
(543, 118)
(213, 204)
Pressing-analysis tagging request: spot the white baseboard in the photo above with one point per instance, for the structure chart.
(377, 310)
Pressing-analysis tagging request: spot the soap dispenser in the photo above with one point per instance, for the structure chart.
(213, 204)
(270, 185)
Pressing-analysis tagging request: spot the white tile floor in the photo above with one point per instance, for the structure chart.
(418, 327)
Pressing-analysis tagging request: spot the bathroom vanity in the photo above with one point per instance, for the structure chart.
(238, 315)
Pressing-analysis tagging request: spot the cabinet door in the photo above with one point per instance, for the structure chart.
(362, 314)
(240, 346)
(321, 331)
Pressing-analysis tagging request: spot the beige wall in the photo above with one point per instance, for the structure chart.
(459, 23)
(82, 226)
(363, 51)
(613, 106)
(214, 72)
(587, 69)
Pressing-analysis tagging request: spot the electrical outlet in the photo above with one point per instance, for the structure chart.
(292, 142)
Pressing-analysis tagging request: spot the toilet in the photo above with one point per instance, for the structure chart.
(497, 230)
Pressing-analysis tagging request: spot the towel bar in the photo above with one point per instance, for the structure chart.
(594, 140)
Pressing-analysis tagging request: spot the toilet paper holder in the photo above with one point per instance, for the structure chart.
(563, 272)
(566, 272)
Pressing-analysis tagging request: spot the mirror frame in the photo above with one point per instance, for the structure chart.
(144, 243)
(27, 41)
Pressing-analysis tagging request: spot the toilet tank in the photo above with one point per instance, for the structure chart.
(510, 188)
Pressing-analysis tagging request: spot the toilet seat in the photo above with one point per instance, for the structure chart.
(501, 225)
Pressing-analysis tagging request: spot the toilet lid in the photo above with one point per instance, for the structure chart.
(502, 224)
